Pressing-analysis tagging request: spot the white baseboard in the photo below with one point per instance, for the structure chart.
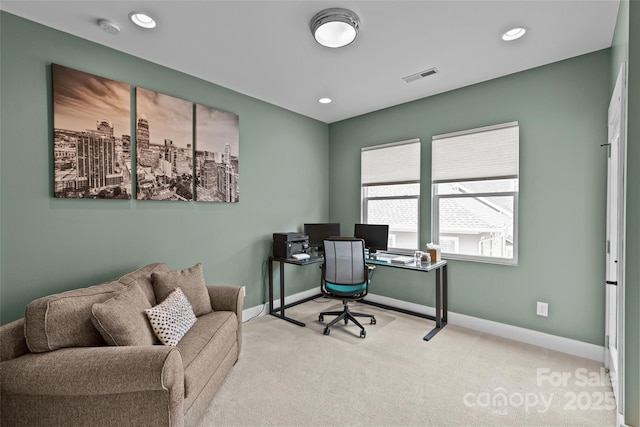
(263, 309)
(529, 336)
(297, 297)
(257, 311)
(516, 333)
(405, 305)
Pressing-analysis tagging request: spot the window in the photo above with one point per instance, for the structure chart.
(390, 180)
(475, 193)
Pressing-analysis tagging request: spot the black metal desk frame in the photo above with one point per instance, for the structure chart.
(440, 269)
(279, 312)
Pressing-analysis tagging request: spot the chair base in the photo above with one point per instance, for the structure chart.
(346, 315)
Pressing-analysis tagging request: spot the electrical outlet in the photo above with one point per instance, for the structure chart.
(542, 309)
(244, 291)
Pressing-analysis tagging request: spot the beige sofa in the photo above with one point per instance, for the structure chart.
(57, 369)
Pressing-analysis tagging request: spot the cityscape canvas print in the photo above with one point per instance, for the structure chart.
(164, 151)
(91, 136)
(216, 159)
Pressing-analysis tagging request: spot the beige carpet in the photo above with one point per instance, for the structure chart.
(293, 376)
(349, 333)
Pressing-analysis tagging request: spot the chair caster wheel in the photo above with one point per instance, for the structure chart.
(373, 320)
(363, 334)
(320, 318)
(346, 321)
(326, 331)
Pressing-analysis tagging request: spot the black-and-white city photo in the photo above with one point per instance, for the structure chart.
(164, 150)
(217, 147)
(91, 136)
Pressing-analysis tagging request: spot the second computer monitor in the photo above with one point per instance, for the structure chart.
(375, 236)
(318, 232)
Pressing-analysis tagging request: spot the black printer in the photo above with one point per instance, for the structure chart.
(285, 245)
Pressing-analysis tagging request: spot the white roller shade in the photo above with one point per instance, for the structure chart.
(485, 153)
(398, 162)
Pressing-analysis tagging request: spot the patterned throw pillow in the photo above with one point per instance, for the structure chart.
(172, 318)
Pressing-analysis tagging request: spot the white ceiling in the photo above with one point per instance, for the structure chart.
(265, 49)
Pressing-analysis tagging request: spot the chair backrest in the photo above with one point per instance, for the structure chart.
(344, 262)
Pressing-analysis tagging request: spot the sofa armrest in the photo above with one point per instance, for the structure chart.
(227, 298)
(96, 371)
(12, 341)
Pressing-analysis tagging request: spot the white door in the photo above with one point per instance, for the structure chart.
(615, 233)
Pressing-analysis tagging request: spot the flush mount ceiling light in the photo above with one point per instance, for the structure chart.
(142, 20)
(513, 34)
(324, 100)
(335, 27)
(109, 27)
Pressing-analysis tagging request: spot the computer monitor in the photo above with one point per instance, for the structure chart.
(318, 232)
(375, 236)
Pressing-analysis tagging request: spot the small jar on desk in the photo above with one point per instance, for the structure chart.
(425, 258)
(421, 258)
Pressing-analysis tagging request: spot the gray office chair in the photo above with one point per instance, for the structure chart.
(345, 276)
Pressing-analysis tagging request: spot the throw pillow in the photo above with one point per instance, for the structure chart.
(121, 319)
(190, 280)
(172, 318)
(64, 320)
(143, 277)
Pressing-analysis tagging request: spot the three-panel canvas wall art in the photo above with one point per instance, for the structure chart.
(183, 151)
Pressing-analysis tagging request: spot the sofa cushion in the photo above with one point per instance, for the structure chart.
(205, 346)
(143, 277)
(64, 319)
(190, 280)
(121, 320)
(172, 318)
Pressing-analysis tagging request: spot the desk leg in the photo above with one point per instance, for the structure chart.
(445, 302)
(279, 312)
(270, 261)
(441, 302)
(439, 298)
(282, 290)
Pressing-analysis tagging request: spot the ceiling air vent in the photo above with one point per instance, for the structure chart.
(420, 75)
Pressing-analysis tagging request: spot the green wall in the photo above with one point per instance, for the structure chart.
(562, 111)
(50, 245)
(620, 42)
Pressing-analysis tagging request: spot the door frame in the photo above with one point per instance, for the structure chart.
(614, 279)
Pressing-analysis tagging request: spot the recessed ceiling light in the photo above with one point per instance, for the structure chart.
(324, 100)
(335, 27)
(142, 20)
(513, 34)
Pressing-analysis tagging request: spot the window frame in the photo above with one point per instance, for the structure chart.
(436, 198)
(365, 211)
(435, 226)
(365, 199)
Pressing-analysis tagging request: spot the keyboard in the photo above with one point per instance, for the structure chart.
(401, 260)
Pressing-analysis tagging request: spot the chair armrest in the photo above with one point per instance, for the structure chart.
(96, 371)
